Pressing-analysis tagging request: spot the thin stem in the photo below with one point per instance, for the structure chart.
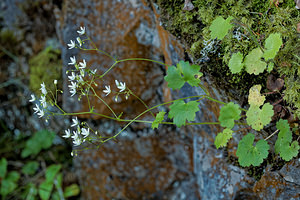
(215, 100)
(93, 44)
(272, 134)
(141, 101)
(144, 59)
(116, 62)
(204, 89)
(113, 137)
(104, 102)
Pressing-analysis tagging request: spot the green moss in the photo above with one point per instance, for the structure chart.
(45, 67)
(261, 17)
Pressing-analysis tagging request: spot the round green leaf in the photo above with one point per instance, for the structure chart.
(249, 154)
(223, 137)
(272, 46)
(236, 63)
(257, 118)
(228, 114)
(253, 62)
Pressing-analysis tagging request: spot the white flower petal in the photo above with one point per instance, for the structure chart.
(72, 44)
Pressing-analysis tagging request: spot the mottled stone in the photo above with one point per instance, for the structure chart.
(291, 172)
(273, 186)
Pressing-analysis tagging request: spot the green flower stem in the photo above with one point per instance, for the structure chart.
(215, 100)
(113, 137)
(116, 62)
(130, 59)
(204, 89)
(96, 49)
(221, 102)
(140, 101)
(143, 59)
(104, 102)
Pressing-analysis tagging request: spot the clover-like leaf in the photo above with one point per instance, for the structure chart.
(223, 137)
(253, 62)
(220, 27)
(283, 143)
(272, 46)
(236, 63)
(255, 98)
(228, 114)
(181, 111)
(249, 154)
(184, 72)
(257, 118)
(158, 119)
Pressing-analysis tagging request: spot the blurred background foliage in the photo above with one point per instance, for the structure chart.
(35, 163)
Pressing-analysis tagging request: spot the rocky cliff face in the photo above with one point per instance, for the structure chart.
(167, 163)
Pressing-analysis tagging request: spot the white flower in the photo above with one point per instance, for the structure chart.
(82, 64)
(73, 87)
(72, 153)
(75, 123)
(55, 82)
(43, 88)
(32, 98)
(75, 135)
(120, 85)
(43, 101)
(72, 78)
(36, 109)
(77, 142)
(107, 90)
(85, 132)
(73, 92)
(68, 134)
(81, 31)
(79, 41)
(40, 113)
(73, 61)
(72, 44)
(80, 80)
(116, 98)
(94, 71)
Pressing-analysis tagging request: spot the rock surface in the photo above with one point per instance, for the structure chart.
(167, 163)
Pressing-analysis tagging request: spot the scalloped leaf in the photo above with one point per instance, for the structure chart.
(181, 111)
(257, 118)
(255, 98)
(249, 154)
(158, 119)
(223, 137)
(228, 114)
(272, 46)
(184, 72)
(283, 143)
(236, 63)
(253, 62)
(220, 27)
(174, 78)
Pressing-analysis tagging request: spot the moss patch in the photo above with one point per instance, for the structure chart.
(45, 67)
(252, 19)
